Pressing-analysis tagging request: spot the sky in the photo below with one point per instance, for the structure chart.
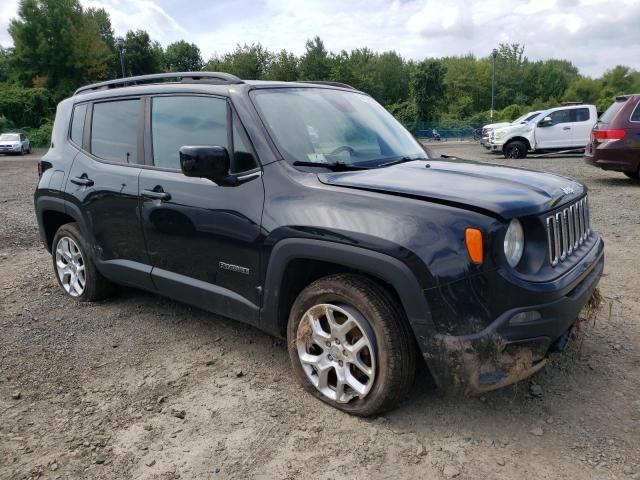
(595, 35)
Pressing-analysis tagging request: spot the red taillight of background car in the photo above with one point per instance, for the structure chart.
(601, 135)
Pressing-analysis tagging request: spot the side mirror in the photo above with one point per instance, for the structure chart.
(210, 162)
(545, 122)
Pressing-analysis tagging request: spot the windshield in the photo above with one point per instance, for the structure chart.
(10, 137)
(526, 117)
(321, 125)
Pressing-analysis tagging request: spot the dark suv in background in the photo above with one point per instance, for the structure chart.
(308, 211)
(615, 139)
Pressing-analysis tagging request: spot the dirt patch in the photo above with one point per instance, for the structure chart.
(140, 387)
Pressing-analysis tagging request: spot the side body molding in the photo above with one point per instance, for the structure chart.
(384, 267)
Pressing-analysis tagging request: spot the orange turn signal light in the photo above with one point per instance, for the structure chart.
(473, 239)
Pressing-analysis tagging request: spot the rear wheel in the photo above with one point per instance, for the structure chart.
(22, 150)
(515, 149)
(74, 268)
(350, 344)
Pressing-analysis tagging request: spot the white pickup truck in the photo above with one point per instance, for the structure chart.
(487, 129)
(560, 128)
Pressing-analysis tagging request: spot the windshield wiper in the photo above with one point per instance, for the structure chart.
(335, 166)
(400, 160)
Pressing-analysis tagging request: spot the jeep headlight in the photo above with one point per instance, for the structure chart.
(514, 243)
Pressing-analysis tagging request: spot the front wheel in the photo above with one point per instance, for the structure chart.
(350, 344)
(515, 149)
(74, 268)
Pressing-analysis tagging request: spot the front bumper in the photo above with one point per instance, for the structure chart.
(504, 352)
(495, 146)
(12, 149)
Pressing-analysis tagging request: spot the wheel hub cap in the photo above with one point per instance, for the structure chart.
(70, 266)
(336, 349)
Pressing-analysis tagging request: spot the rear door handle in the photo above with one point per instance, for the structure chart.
(156, 194)
(566, 128)
(82, 180)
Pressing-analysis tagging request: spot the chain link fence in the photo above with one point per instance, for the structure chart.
(443, 131)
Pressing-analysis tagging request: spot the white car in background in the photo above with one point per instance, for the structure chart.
(16, 143)
(487, 129)
(560, 128)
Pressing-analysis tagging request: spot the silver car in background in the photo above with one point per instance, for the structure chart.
(16, 143)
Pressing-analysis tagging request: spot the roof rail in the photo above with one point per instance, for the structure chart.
(185, 77)
(332, 84)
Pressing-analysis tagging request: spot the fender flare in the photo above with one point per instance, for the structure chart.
(47, 204)
(376, 264)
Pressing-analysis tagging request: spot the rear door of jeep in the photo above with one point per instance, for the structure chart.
(103, 185)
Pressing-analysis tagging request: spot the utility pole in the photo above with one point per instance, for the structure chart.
(494, 54)
(121, 49)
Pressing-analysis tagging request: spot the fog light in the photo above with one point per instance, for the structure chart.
(525, 317)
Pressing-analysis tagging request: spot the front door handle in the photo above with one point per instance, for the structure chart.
(82, 180)
(156, 194)
(566, 128)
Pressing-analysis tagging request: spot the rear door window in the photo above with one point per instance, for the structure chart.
(579, 114)
(183, 120)
(114, 130)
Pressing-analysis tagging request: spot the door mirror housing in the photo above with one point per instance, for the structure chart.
(205, 161)
(545, 122)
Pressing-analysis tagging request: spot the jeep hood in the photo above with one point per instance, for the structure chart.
(499, 191)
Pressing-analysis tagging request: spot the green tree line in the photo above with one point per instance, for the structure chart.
(58, 46)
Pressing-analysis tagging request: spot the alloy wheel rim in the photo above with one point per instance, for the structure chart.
(336, 350)
(70, 267)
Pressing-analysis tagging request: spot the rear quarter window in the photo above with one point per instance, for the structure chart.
(77, 123)
(635, 116)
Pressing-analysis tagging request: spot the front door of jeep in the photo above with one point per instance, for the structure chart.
(202, 238)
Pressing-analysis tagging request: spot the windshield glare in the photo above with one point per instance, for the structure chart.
(526, 117)
(9, 137)
(327, 126)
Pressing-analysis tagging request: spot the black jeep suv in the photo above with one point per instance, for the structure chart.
(308, 211)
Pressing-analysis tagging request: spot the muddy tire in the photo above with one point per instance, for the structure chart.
(350, 344)
(515, 149)
(74, 267)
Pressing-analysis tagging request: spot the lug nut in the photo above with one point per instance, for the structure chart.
(344, 352)
(329, 357)
(328, 344)
(340, 363)
(337, 342)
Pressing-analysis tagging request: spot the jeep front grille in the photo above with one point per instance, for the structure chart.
(567, 229)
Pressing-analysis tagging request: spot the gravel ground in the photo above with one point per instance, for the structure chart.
(140, 387)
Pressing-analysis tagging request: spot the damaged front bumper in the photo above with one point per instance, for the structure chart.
(512, 347)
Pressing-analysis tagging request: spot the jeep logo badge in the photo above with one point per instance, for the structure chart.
(567, 190)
